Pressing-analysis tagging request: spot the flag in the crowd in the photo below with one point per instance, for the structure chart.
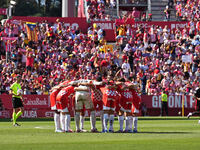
(31, 29)
(3, 11)
(8, 41)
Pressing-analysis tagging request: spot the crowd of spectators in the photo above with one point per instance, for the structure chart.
(154, 59)
(187, 10)
(96, 9)
(60, 53)
(133, 1)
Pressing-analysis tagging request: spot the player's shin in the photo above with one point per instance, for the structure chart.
(135, 121)
(14, 117)
(130, 118)
(57, 122)
(63, 121)
(77, 121)
(18, 114)
(68, 118)
(101, 117)
(121, 122)
(93, 120)
(105, 121)
(111, 120)
(82, 118)
(126, 124)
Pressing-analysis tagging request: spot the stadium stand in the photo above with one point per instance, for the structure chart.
(187, 10)
(158, 57)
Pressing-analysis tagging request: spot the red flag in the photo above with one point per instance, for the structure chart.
(3, 11)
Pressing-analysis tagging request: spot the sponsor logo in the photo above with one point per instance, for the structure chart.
(145, 25)
(106, 26)
(49, 114)
(178, 25)
(29, 114)
(4, 114)
(37, 101)
(174, 101)
(73, 25)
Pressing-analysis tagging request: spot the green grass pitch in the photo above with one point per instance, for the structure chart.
(154, 134)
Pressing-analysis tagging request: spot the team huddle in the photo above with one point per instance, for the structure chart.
(109, 97)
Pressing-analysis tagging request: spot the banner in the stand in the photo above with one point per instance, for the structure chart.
(153, 104)
(75, 23)
(30, 101)
(38, 106)
(3, 11)
(110, 26)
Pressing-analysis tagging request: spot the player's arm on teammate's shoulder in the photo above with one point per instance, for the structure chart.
(80, 89)
(86, 83)
(118, 83)
(131, 86)
(54, 88)
(111, 86)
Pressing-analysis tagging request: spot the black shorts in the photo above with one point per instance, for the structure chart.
(17, 102)
(197, 107)
(29, 68)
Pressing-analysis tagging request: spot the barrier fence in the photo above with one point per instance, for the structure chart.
(38, 106)
(108, 26)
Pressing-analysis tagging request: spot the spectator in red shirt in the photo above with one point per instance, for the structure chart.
(29, 61)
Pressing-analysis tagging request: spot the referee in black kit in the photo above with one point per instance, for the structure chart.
(197, 104)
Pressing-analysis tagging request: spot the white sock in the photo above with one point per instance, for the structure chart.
(63, 122)
(111, 120)
(68, 120)
(130, 118)
(93, 119)
(135, 120)
(126, 124)
(77, 120)
(82, 118)
(105, 121)
(121, 122)
(101, 117)
(57, 121)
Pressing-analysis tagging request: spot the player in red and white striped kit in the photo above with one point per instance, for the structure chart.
(64, 105)
(124, 106)
(110, 98)
(97, 98)
(135, 109)
(54, 91)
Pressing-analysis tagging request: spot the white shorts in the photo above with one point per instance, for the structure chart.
(125, 110)
(53, 107)
(83, 98)
(108, 108)
(63, 110)
(136, 111)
